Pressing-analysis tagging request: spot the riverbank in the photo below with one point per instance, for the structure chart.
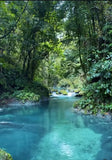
(92, 107)
(24, 96)
(105, 115)
(14, 101)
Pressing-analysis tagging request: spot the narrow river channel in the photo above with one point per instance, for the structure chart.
(52, 131)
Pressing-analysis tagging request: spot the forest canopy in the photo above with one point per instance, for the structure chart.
(57, 43)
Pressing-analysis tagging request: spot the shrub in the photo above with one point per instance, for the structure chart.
(25, 95)
(37, 88)
(4, 155)
(65, 83)
(78, 82)
(76, 90)
(5, 95)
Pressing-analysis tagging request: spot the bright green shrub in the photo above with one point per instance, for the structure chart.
(4, 155)
(25, 95)
(77, 90)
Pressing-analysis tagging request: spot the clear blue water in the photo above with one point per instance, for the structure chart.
(51, 131)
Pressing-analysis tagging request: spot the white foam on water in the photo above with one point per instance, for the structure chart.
(70, 94)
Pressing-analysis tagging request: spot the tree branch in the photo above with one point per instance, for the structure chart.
(13, 29)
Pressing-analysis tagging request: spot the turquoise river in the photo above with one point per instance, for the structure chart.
(52, 131)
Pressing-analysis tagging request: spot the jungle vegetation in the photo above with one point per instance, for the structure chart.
(57, 43)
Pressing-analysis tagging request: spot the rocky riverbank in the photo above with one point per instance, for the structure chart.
(105, 115)
(14, 101)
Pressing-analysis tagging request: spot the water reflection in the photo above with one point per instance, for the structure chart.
(51, 131)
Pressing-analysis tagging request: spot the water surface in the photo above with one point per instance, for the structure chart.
(51, 131)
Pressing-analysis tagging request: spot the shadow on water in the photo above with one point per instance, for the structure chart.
(103, 127)
(106, 140)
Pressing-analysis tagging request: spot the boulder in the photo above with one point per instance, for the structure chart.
(4, 155)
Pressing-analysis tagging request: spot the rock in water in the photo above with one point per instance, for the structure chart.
(4, 155)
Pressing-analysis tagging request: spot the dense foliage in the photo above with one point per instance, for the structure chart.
(57, 43)
(98, 65)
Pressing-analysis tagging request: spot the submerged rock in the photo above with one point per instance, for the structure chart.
(4, 155)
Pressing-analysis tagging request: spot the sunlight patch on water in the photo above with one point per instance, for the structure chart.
(66, 149)
(69, 143)
(1, 109)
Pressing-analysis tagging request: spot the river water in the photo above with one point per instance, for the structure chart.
(52, 131)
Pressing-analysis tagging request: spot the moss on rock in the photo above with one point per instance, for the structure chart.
(4, 155)
(64, 92)
(76, 90)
